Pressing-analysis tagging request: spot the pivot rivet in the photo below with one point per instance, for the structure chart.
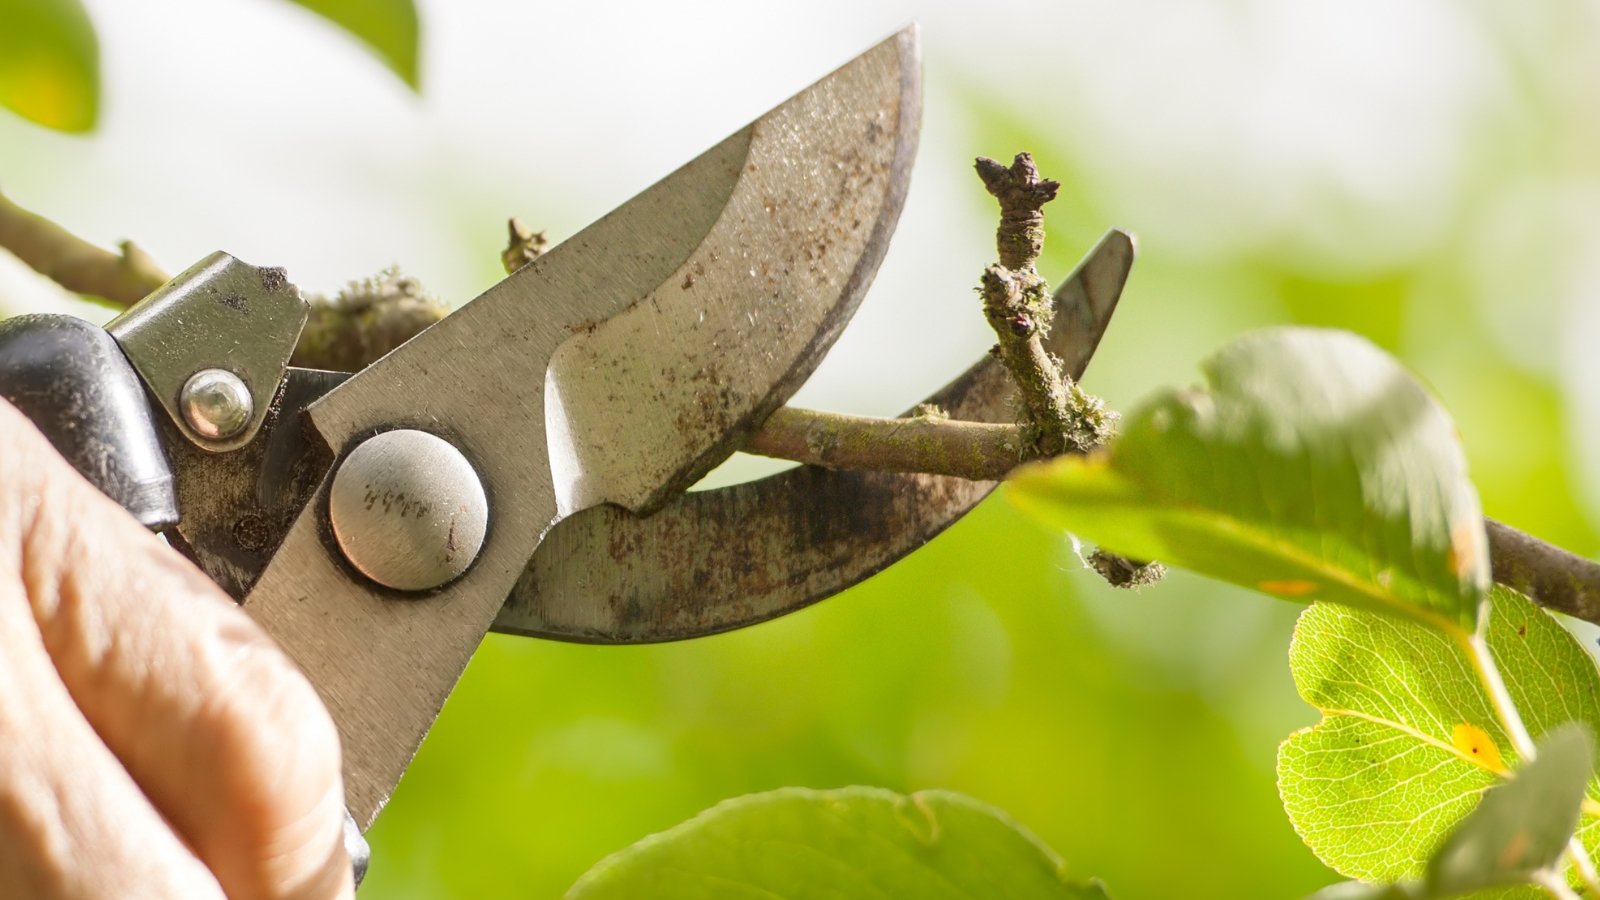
(408, 510)
(216, 404)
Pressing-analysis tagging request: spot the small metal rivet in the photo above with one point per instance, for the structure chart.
(408, 510)
(216, 404)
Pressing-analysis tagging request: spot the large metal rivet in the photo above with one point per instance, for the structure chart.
(216, 403)
(407, 510)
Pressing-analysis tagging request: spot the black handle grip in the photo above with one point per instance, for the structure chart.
(70, 377)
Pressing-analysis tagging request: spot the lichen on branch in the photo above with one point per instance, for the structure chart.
(364, 321)
(1058, 415)
(523, 246)
(1122, 572)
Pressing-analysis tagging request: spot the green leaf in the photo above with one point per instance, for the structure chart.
(852, 842)
(389, 27)
(1519, 828)
(49, 63)
(1408, 742)
(1360, 890)
(1311, 467)
(1522, 826)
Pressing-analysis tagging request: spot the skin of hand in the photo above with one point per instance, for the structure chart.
(154, 742)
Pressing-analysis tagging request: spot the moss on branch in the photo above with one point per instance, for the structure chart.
(1059, 416)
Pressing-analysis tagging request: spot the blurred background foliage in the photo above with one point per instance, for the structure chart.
(1424, 172)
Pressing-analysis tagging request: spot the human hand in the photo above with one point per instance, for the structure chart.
(154, 742)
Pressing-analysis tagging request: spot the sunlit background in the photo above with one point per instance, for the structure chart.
(1424, 172)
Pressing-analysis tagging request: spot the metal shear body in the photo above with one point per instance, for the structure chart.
(375, 525)
(520, 465)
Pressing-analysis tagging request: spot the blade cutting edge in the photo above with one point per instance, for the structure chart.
(716, 560)
(728, 234)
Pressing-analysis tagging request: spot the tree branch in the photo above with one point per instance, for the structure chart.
(523, 246)
(370, 317)
(928, 443)
(1548, 575)
(364, 321)
(1545, 573)
(120, 279)
(345, 333)
(1058, 416)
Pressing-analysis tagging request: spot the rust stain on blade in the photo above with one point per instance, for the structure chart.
(718, 560)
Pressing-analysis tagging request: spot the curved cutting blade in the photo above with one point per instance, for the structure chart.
(643, 404)
(712, 293)
(717, 560)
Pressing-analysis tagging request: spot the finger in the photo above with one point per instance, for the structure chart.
(72, 822)
(218, 727)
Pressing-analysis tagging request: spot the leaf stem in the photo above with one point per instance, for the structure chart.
(1499, 697)
(1555, 886)
(1506, 710)
(1581, 861)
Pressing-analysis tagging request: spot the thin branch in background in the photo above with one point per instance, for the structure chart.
(1555, 886)
(119, 279)
(345, 333)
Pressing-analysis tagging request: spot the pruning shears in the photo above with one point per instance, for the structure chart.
(520, 466)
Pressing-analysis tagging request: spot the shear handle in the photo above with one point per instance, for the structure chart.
(73, 381)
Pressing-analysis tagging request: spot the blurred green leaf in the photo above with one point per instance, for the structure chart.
(851, 842)
(1520, 827)
(49, 63)
(1360, 890)
(1313, 467)
(1372, 304)
(389, 27)
(1408, 741)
